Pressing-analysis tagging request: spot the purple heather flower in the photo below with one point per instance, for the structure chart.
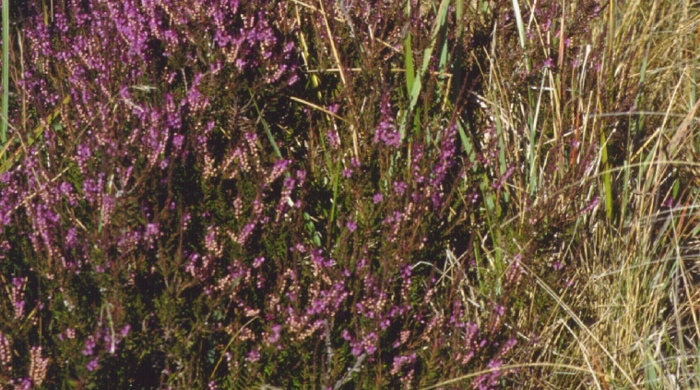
(125, 330)
(594, 203)
(370, 343)
(333, 139)
(386, 132)
(253, 356)
(503, 178)
(71, 239)
(399, 187)
(92, 365)
(89, 346)
(276, 332)
(370, 348)
(278, 169)
(23, 384)
(293, 79)
(361, 264)
(385, 323)
(499, 309)
(668, 203)
(258, 262)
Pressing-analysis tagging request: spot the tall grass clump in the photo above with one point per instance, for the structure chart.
(350, 194)
(597, 109)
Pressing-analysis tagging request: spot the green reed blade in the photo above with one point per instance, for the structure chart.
(458, 53)
(408, 54)
(521, 29)
(268, 132)
(440, 20)
(408, 63)
(5, 68)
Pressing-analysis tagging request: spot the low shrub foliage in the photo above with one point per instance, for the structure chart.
(349, 194)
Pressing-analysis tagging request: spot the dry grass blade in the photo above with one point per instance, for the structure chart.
(506, 367)
(682, 133)
(334, 50)
(583, 327)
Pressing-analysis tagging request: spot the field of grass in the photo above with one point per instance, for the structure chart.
(350, 194)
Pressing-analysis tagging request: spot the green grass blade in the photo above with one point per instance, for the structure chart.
(427, 54)
(466, 142)
(334, 205)
(521, 29)
(650, 374)
(458, 53)
(519, 22)
(268, 132)
(533, 149)
(408, 54)
(5, 68)
(408, 63)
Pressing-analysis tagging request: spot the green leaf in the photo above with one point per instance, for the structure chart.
(5, 70)
(440, 21)
(408, 54)
(408, 61)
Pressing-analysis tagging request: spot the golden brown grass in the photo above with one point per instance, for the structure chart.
(629, 318)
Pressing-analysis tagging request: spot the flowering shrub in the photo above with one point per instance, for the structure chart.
(226, 194)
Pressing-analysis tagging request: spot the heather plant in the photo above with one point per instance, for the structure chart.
(156, 221)
(349, 194)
